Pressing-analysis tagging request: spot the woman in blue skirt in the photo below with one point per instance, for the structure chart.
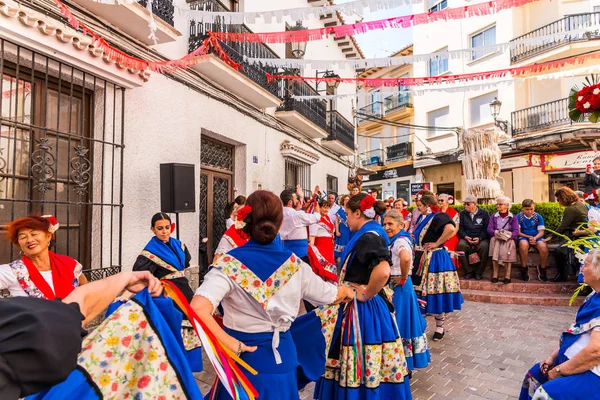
(342, 232)
(411, 322)
(366, 357)
(435, 278)
(260, 286)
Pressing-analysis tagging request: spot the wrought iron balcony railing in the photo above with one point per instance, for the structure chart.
(313, 110)
(163, 9)
(237, 51)
(399, 152)
(374, 109)
(566, 24)
(371, 158)
(100, 273)
(396, 102)
(547, 115)
(341, 129)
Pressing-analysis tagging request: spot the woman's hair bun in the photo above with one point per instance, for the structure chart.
(264, 231)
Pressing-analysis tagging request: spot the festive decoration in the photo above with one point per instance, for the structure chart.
(354, 180)
(406, 21)
(367, 206)
(592, 196)
(585, 103)
(481, 162)
(242, 217)
(173, 227)
(351, 323)
(222, 359)
(395, 61)
(54, 225)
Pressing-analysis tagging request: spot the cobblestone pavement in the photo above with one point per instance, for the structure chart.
(484, 355)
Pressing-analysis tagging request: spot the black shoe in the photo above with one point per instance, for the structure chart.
(542, 274)
(479, 277)
(494, 280)
(524, 274)
(409, 376)
(506, 281)
(438, 336)
(586, 291)
(559, 278)
(469, 276)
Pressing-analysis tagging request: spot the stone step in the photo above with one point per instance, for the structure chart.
(537, 299)
(520, 287)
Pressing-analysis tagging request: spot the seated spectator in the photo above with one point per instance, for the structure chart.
(504, 230)
(572, 371)
(532, 234)
(473, 238)
(581, 197)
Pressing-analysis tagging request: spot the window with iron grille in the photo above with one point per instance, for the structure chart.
(332, 185)
(61, 148)
(297, 173)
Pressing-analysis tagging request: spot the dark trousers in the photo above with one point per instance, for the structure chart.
(482, 249)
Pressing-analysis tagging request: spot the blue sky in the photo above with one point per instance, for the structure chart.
(382, 43)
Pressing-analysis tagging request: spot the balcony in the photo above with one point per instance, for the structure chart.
(374, 110)
(394, 107)
(398, 152)
(397, 104)
(133, 18)
(250, 82)
(308, 116)
(543, 116)
(341, 134)
(373, 158)
(563, 47)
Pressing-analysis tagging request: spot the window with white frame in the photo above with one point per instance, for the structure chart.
(480, 109)
(437, 5)
(439, 64)
(438, 118)
(486, 37)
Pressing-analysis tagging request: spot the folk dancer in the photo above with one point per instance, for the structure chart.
(445, 201)
(411, 322)
(437, 282)
(260, 286)
(342, 232)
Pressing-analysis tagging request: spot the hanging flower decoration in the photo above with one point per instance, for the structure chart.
(242, 217)
(584, 103)
(366, 206)
(54, 225)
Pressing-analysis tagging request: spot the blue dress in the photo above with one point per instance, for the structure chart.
(411, 322)
(345, 233)
(583, 386)
(135, 353)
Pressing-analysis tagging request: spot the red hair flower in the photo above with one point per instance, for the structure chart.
(54, 225)
(241, 215)
(366, 206)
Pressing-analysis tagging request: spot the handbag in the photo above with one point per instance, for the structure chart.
(474, 258)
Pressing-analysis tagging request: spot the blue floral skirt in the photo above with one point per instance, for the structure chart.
(384, 375)
(440, 288)
(585, 386)
(411, 325)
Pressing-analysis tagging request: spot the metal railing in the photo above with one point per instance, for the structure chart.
(554, 113)
(163, 9)
(396, 102)
(399, 152)
(374, 109)
(371, 158)
(236, 50)
(341, 129)
(314, 110)
(566, 24)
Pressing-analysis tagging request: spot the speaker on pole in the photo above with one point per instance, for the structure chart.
(177, 188)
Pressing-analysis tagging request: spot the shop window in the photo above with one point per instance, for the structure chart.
(403, 190)
(447, 188)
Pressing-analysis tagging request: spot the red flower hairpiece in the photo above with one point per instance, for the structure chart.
(366, 206)
(54, 225)
(241, 215)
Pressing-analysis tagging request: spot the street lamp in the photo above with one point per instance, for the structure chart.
(495, 106)
(333, 82)
(298, 48)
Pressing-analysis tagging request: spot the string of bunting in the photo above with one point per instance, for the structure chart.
(394, 82)
(407, 21)
(287, 63)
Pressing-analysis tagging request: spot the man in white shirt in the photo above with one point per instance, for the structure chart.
(293, 230)
(333, 207)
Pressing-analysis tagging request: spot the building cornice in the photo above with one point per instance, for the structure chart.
(289, 149)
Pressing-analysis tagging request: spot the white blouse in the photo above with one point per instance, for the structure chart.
(243, 313)
(8, 280)
(224, 246)
(580, 344)
(318, 230)
(399, 245)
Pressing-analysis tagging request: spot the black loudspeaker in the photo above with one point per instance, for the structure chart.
(177, 188)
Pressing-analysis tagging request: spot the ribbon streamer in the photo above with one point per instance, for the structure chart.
(288, 63)
(406, 21)
(394, 82)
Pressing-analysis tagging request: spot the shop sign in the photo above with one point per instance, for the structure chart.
(516, 162)
(390, 173)
(567, 161)
(417, 187)
(393, 173)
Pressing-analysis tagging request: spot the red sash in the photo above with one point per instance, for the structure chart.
(327, 224)
(63, 275)
(238, 237)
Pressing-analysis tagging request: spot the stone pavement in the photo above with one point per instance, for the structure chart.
(484, 355)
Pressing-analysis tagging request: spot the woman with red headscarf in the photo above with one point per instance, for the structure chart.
(39, 272)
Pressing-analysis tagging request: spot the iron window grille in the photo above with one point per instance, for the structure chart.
(332, 185)
(297, 173)
(61, 153)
